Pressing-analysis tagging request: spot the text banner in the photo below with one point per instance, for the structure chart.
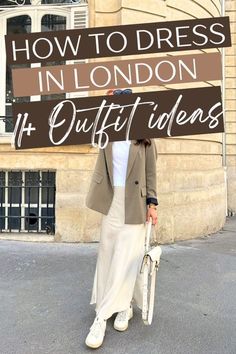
(115, 74)
(101, 119)
(118, 40)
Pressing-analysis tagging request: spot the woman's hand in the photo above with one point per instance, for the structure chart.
(152, 213)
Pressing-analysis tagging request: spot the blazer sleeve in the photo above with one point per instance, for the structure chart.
(151, 176)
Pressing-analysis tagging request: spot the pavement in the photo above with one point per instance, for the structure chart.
(45, 291)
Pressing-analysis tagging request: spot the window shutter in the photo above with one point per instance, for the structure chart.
(79, 19)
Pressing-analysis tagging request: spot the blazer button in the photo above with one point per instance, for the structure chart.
(136, 182)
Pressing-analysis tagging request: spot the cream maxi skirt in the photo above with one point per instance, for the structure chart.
(117, 280)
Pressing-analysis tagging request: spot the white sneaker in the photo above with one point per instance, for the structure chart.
(97, 332)
(122, 319)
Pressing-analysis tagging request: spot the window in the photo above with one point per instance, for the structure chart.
(18, 24)
(53, 23)
(26, 19)
(27, 201)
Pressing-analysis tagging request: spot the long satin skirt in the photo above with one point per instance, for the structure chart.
(117, 280)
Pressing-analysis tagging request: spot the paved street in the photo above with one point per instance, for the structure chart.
(45, 290)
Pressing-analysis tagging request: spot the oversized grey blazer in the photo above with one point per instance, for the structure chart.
(140, 187)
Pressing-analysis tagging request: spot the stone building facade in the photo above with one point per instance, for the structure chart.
(196, 174)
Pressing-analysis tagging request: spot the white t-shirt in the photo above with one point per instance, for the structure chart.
(120, 156)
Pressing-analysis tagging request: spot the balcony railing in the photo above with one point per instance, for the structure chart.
(7, 3)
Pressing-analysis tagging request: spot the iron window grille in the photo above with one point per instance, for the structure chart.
(27, 201)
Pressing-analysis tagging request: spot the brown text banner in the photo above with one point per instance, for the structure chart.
(101, 119)
(115, 74)
(118, 40)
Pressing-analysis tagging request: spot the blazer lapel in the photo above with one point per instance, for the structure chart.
(108, 156)
(132, 156)
(133, 150)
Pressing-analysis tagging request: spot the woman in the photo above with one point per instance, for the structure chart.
(123, 189)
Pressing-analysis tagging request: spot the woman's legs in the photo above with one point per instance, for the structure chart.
(138, 288)
(119, 258)
(122, 274)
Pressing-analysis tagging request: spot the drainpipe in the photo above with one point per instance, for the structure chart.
(223, 104)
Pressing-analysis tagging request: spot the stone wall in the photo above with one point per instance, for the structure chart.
(191, 179)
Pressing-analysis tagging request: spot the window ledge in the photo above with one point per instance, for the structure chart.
(28, 237)
(5, 139)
